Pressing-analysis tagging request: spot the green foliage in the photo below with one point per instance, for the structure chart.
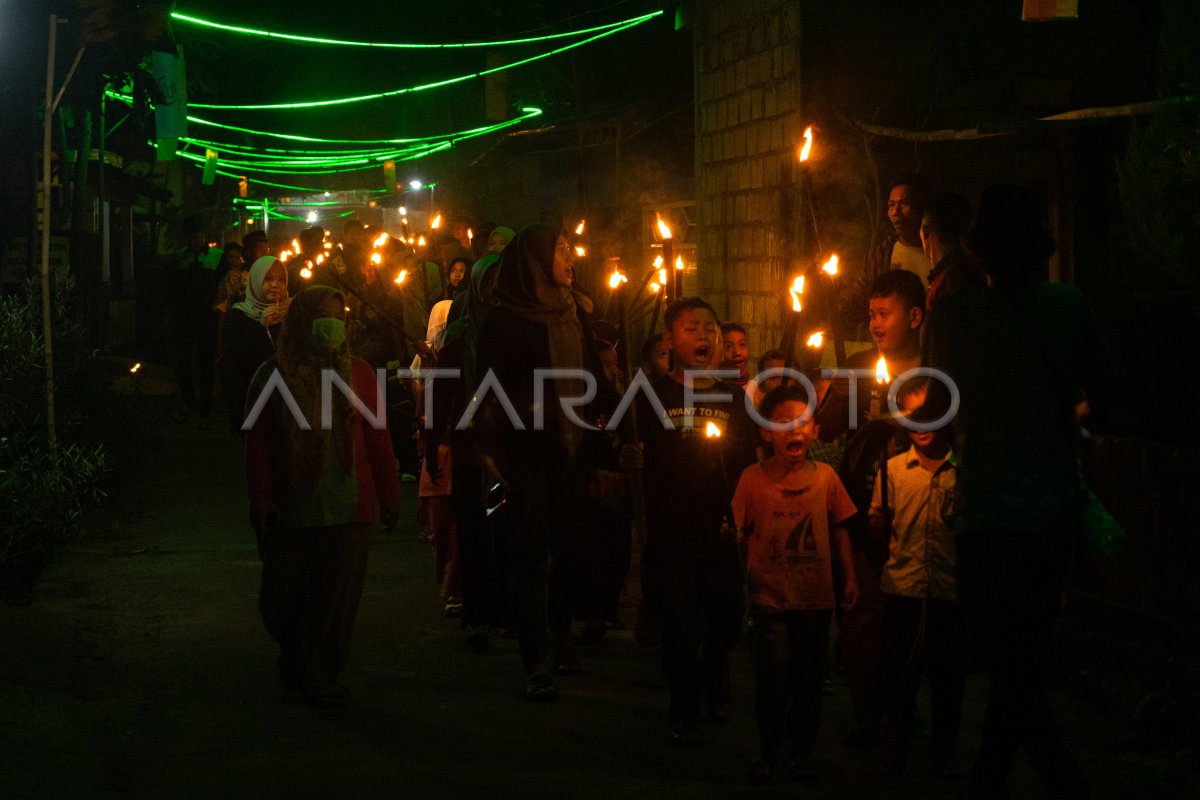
(42, 498)
(1159, 175)
(41, 501)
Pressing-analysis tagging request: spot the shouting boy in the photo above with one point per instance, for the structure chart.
(699, 436)
(790, 514)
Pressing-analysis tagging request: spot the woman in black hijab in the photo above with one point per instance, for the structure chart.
(537, 322)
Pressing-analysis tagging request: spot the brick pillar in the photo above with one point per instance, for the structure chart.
(748, 128)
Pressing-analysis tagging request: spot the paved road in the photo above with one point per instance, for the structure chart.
(140, 669)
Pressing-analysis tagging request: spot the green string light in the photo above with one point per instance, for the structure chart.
(427, 86)
(399, 45)
(526, 113)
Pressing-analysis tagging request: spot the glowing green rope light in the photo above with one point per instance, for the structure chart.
(427, 86)
(271, 152)
(528, 112)
(401, 45)
(314, 171)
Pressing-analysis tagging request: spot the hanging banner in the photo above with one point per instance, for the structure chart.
(210, 166)
(170, 100)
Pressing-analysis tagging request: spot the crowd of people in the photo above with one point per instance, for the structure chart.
(766, 505)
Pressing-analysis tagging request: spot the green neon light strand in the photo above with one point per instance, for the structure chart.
(526, 113)
(427, 86)
(251, 158)
(271, 152)
(303, 171)
(400, 45)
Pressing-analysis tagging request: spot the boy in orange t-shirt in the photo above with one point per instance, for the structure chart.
(790, 513)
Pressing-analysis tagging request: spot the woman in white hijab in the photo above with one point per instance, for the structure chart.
(248, 330)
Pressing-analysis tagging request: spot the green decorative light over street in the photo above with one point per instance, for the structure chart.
(405, 45)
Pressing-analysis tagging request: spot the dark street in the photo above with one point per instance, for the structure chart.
(139, 668)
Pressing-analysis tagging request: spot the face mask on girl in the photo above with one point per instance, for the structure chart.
(328, 332)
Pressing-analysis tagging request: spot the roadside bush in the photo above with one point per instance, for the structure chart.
(43, 498)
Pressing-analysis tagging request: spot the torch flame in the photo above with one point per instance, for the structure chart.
(380, 241)
(285, 255)
(664, 230)
(296, 245)
(470, 234)
(421, 240)
(616, 279)
(658, 261)
(830, 267)
(712, 431)
(376, 259)
(817, 340)
(580, 251)
(806, 149)
(437, 222)
(135, 368)
(881, 371)
(328, 245)
(796, 291)
(579, 228)
(678, 262)
(654, 287)
(400, 278)
(306, 273)
(662, 277)
(320, 259)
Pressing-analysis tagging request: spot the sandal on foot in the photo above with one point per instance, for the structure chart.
(540, 688)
